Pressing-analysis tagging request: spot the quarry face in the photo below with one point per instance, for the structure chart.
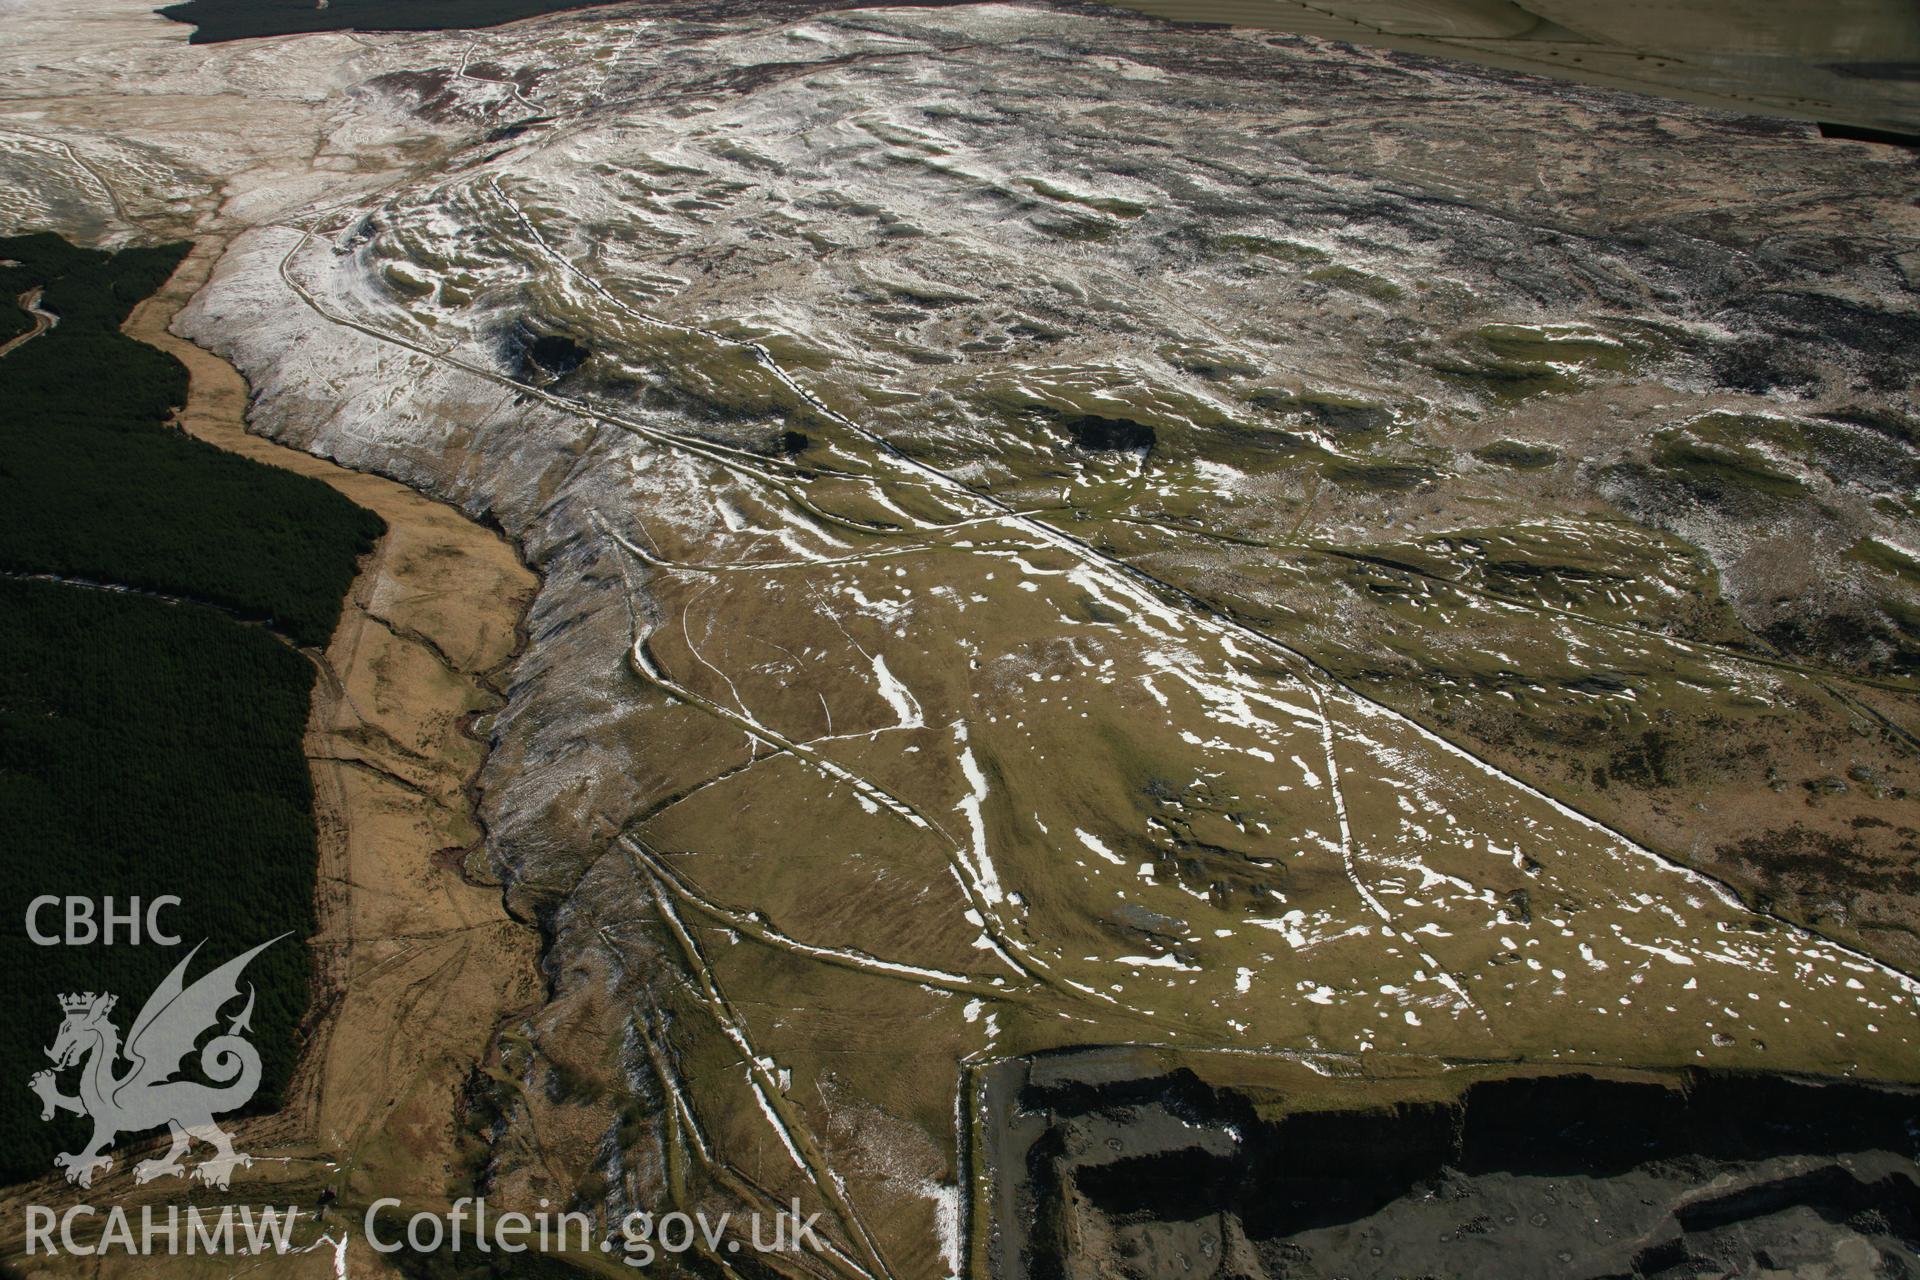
(1058, 531)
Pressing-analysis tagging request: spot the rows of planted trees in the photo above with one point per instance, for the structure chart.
(93, 484)
(147, 746)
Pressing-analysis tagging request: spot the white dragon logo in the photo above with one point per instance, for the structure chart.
(146, 1095)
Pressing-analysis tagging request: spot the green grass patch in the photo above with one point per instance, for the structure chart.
(1891, 560)
(1261, 246)
(1353, 280)
(1381, 477)
(1114, 205)
(1518, 455)
(1509, 363)
(1709, 467)
(1505, 382)
(1344, 416)
(1531, 344)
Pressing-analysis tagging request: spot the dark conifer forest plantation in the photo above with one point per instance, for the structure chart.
(161, 602)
